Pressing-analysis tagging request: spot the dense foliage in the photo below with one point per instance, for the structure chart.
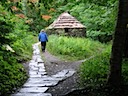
(15, 46)
(74, 48)
(12, 76)
(18, 17)
(97, 15)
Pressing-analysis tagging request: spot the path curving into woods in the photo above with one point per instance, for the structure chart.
(54, 65)
(40, 81)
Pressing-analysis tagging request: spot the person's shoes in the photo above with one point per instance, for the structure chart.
(43, 50)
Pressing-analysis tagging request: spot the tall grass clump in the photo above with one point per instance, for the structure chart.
(74, 48)
(94, 72)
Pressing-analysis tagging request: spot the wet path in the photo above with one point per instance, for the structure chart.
(39, 82)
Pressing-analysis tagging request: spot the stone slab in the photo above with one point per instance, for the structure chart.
(32, 63)
(32, 68)
(36, 44)
(64, 73)
(42, 73)
(33, 72)
(45, 78)
(32, 94)
(70, 73)
(40, 80)
(39, 60)
(36, 56)
(36, 52)
(42, 70)
(40, 65)
(61, 73)
(33, 89)
(35, 75)
(41, 84)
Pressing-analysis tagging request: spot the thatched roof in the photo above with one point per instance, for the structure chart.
(65, 20)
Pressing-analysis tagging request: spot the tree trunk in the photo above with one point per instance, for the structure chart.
(126, 45)
(114, 78)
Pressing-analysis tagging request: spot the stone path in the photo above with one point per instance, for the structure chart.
(39, 82)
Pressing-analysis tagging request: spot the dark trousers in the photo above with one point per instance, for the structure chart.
(43, 46)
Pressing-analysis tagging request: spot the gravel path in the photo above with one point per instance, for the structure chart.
(54, 65)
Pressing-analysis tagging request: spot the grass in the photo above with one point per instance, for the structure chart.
(73, 48)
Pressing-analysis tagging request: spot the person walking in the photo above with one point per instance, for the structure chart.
(43, 39)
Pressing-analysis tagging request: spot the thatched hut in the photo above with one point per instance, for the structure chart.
(68, 25)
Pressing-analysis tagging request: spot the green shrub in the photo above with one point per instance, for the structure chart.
(11, 76)
(22, 39)
(13, 32)
(23, 47)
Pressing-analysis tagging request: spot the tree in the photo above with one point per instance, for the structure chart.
(126, 45)
(115, 78)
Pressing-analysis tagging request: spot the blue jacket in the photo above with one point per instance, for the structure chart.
(43, 37)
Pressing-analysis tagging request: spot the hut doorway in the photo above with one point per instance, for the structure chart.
(66, 30)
